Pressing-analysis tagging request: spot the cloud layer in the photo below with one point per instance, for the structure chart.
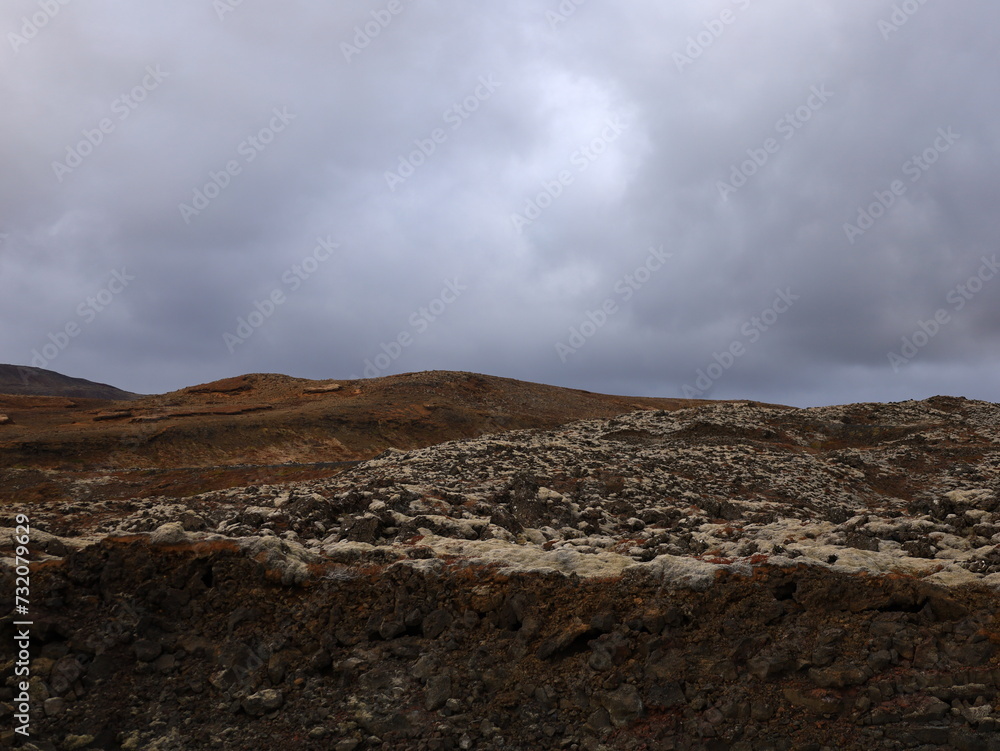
(735, 199)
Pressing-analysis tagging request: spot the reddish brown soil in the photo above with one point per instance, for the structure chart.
(197, 437)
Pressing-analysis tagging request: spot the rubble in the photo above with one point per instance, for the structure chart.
(724, 576)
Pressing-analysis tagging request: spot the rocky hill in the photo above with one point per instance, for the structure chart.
(18, 379)
(715, 576)
(265, 427)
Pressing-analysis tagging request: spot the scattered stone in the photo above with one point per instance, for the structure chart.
(170, 533)
(327, 389)
(74, 742)
(771, 662)
(435, 624)
(599, 721)
(146, 650)
(438, 691)
(263, 702)
(815, 700)
(840, 676)
(561, 641)
(624, 705)
(720, 576)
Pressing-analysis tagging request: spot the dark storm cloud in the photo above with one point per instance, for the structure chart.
(530, 156)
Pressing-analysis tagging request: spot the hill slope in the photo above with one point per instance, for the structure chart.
(203, 437)
(20, 379)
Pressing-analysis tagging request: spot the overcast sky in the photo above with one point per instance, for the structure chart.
(788, 202)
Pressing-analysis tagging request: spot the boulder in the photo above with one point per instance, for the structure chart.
(624, 704)
(263, 702)
(438, 691)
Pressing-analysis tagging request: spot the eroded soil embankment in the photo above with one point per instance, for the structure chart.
(198, 646)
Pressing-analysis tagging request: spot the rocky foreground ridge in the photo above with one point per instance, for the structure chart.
(727, 576)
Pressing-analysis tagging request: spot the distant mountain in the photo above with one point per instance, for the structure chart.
(25, 381)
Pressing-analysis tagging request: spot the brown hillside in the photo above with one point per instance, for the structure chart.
(193, 439)
(24, 380)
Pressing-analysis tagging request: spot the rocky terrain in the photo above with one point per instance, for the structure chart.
(261, 427)
(700, 576)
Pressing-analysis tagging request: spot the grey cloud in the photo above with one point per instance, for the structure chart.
(657, 182)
